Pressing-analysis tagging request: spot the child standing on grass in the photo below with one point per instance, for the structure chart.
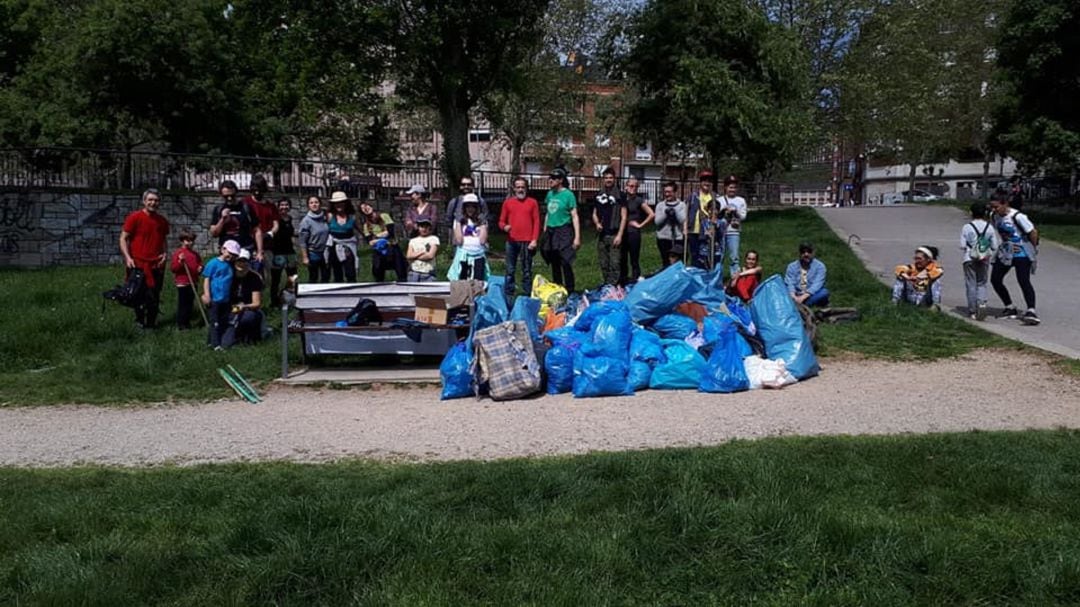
(422, 252)
(185, 265)
(217, 290)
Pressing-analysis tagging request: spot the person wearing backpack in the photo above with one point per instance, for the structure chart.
(1019, 250)
(979, 242)
(143, 246)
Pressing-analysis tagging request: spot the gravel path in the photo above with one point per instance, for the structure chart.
(850, 397)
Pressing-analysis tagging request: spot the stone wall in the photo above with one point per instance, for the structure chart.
(61, 228)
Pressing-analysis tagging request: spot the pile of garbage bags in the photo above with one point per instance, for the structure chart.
(676, 330)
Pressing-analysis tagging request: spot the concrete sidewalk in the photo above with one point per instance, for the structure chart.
(884, 236)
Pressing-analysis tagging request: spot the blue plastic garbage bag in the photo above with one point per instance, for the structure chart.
(658, 295)
(454, 372)
(681, 369)
(489, 311)
(600, 376)
(564, 334)
(705, 291)
(781, 328)
(612, 333)
(738, 310)
(645, 346)
(559, 366)
(725, 371)
(496, 287)
(640, 374)
(592, 314)
(674, 326)
(713, 326)
(527, 309)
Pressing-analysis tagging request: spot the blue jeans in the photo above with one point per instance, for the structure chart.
(731, 243)
(820, 298)
(514, 250)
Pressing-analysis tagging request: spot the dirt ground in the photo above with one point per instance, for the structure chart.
(987, 390)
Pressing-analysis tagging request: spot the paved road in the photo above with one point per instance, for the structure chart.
(888, 236)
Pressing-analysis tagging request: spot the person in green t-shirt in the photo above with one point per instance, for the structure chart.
(562, 231)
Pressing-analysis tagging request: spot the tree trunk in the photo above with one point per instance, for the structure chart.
(986, 175)
(911, 182)
(516, 146)
(455, 132)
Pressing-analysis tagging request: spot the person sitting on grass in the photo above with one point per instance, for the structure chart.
(743, 282)
(919, 282)
(217, 290)
(185, 265)
(423, 249)
(805, 278)
(246, 317)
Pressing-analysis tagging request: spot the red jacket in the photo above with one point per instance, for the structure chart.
(185, 257)
(523, 217)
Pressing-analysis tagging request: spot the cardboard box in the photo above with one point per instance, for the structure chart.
(432, 310)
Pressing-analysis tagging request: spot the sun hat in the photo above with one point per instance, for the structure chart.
(417, 189)
(232, 247)
(339, 196)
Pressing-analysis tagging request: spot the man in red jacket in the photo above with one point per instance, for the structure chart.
(520, 218)
(142, 243)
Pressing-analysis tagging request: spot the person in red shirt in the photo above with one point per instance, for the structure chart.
(744, 282)
(185, 265)
(520, 218)
(142, 243)
(266, 213)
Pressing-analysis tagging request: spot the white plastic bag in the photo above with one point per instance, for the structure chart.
(764, 373)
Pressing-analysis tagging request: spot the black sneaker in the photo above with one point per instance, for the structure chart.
(1030, 318)
(1009, 312)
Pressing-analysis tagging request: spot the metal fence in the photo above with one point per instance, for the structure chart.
(133, 171)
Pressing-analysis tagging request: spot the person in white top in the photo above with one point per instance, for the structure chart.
(423, 249)
(470, 237)
(978, 241)
(734, 210)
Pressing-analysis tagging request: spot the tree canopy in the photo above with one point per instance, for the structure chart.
(717, 76)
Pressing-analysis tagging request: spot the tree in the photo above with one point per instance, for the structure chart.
(1037, 118)
(451, 55)
(716, 75)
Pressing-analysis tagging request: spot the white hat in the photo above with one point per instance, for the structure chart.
(245, 254)
(417, 189)
(467, 198)
(339, 196)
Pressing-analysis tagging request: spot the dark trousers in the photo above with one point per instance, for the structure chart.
(1023, 276)
(318, 271)
(392, 260)
(275, 283)
(630, 257)
(558, 251)
(185, 303)
(664, 247)
(516, 251)
(146, 313)
(219, 321)
(243, 328)
(344, 270)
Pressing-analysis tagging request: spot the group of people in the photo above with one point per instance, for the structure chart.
(997, 239)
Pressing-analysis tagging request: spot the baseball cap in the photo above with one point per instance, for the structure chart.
(706, 174)
(416, 189)
(423, 221)
(467, 198)
(232, 247)
(244, 254)
(730, 179)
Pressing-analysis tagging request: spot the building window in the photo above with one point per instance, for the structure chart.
(643, 152)
(480, 136)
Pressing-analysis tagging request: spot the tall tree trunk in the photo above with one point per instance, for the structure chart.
(516, 146)
(455, 132)
(986, 175)
(911, 182)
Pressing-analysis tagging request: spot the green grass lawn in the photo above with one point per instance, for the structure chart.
(59, 346)
(969, 519)
(1058, 226)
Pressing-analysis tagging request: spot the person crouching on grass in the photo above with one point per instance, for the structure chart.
(185, 265)
(245, 313)
(423, 249)
(217, 291)
(919, 282)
